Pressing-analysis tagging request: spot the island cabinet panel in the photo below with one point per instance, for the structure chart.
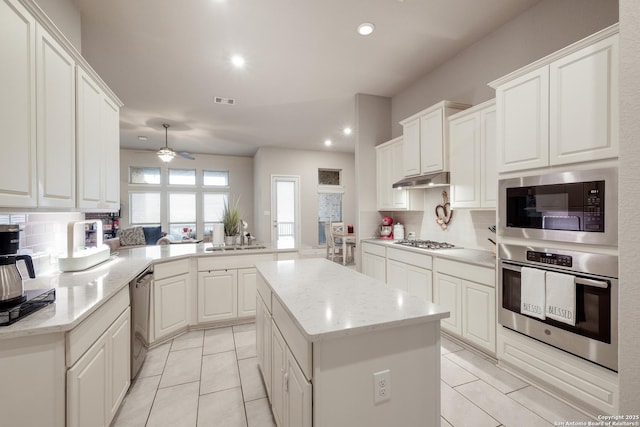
(263, 342)
(278, 371)
(298, 403)
(343, 378)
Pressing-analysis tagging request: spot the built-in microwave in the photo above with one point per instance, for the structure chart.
(578, 206)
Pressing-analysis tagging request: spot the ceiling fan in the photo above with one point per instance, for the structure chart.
(166, 154)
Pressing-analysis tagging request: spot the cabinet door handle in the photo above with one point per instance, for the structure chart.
(286, 382)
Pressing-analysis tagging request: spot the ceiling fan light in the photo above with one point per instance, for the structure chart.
(166, 154)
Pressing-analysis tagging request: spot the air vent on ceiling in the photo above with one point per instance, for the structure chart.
(226, 101)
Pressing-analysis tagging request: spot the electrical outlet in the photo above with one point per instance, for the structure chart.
(381, 386)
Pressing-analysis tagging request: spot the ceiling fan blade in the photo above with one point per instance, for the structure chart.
(185, 155)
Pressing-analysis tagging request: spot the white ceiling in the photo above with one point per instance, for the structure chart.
(167, 59)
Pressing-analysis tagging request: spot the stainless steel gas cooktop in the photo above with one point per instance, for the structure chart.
(426, 244)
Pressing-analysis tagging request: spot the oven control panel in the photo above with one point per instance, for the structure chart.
(549, 258)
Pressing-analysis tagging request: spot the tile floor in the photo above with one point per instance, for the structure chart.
(211, 378)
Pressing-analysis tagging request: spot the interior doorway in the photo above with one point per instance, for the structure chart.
(285, 211)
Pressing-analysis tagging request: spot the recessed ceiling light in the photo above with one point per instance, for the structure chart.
(238, 61)
(327, 142)
(347, 130)
(142, 138)
(366, 28)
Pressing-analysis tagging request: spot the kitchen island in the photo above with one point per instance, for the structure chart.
(338, 348)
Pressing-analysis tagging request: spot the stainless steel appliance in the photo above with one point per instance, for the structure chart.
(9, 239)
(576, 206)
(595, 334)
(426, 244)
(140, 293)
(11, 288)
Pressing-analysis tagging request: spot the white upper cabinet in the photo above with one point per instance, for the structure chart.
(562, 109)
(17, 106)
(425, 139)
(472, 144)
(56, 140)
(523, 122)
(98, 145)
(583, 110)
(389, 169)
(60, 121)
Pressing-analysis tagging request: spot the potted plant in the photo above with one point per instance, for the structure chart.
(231, 220)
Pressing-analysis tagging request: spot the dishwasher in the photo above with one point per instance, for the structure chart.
(140, 293)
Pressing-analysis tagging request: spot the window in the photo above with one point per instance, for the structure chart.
(182, 214)
(328, 177)
(144, 207)
(212, 206)
(215, 178)
(182, 176)
(143, 175)
(329, 210)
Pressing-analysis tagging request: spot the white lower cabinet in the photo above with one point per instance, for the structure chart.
(263, 342)
(290, 390)
(410, 271)
(373, 261)
(468, 292)
(99, 373)
(278, 367)
(297, 404)
(170, 296)
(479, 315)
(247, 292)
(87, 388)
(171, 305)
(447, 295)
(217, 295)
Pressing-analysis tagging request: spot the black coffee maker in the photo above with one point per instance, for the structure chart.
(11, 289)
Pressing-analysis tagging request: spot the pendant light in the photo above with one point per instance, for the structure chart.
(166, 154)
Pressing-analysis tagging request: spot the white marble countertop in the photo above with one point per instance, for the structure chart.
(327, 300)
(471, 256)
(78, 294)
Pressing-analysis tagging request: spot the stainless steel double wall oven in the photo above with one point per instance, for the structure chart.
(563, 209)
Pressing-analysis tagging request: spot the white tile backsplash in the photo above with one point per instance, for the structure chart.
(468, 227)
(43, 236)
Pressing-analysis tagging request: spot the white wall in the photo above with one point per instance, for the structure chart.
(305, 164)
(629, 225)
(240, 180)
(66, 16)
(373, 127)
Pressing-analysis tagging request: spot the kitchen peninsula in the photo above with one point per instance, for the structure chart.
(355, 350)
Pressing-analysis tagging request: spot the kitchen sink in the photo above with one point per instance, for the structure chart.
(234, 248)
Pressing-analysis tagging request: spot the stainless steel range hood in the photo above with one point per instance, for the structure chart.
(439, 179)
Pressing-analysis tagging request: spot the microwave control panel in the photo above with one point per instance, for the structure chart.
(549, 258)
(594, 206)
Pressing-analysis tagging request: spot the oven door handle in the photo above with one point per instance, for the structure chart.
(592, 283)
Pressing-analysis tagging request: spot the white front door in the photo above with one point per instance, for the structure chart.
(285, 211)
